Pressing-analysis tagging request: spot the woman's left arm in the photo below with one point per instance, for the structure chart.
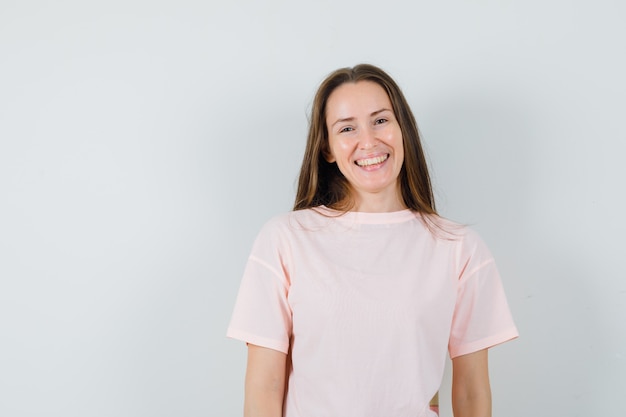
(471, 392)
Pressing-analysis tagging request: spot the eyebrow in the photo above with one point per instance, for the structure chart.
(350, 119)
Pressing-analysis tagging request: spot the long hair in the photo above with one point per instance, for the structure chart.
(321, 183)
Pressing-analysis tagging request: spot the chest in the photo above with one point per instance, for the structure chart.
(378, 280)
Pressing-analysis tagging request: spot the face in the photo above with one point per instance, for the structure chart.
(365, 141)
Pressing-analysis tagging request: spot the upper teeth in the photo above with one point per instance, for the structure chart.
(371, 161)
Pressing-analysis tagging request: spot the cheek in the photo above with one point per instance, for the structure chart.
(341, 148)
(397, 141)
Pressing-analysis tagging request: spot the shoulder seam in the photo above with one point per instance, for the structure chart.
(479, 267)
(269, 268)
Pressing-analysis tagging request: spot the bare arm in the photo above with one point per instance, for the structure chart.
(471, 392)
(265, 382)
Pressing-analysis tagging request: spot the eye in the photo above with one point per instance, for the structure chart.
(380, 121)
(346, 129)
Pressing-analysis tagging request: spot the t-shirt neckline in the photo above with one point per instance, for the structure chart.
(360, 217)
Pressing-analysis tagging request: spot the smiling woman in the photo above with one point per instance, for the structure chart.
(349, 303)
(365, 141)
(322, 183)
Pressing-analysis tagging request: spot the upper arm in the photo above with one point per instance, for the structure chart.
(471, 391)
(265, 382)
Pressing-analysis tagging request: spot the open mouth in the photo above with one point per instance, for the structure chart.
(372, 161)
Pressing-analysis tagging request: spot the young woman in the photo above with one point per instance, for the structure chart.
(350, 302)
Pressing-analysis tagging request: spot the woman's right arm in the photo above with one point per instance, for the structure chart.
(265, 382)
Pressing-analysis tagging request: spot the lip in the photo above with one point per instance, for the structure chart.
(372, 161)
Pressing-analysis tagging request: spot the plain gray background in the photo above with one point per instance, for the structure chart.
(144, 143)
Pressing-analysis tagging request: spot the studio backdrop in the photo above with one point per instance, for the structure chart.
(144, 143)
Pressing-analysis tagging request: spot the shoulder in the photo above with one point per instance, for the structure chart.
(466, 241)
(473, 244)
(447, 229)
(286, 224)
(294, 219)
(281, 235)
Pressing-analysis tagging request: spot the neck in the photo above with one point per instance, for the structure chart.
(377, 203)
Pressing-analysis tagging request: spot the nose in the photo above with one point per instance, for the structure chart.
(367, 140)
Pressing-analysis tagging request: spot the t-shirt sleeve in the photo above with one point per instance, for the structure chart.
(262, 315)
(482, 317)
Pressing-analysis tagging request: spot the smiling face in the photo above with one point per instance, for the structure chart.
(365, 141)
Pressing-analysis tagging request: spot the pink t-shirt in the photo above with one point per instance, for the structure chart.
(369, 305)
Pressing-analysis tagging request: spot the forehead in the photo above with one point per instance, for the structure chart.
(351, 99)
